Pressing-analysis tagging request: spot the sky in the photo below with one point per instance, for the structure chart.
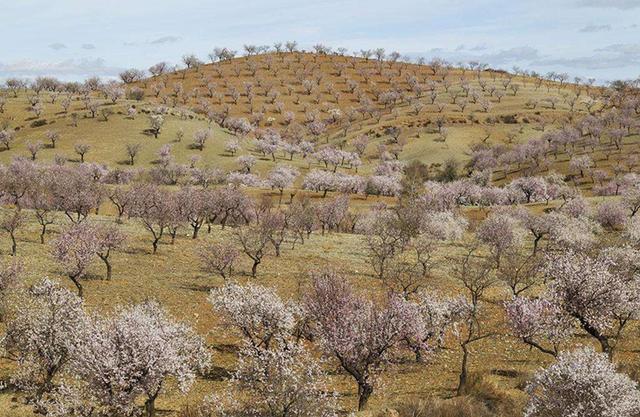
(75, 39)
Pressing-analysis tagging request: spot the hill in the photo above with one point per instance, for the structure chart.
(433, 196)
(427, 113)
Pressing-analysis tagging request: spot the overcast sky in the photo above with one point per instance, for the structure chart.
(73, 39)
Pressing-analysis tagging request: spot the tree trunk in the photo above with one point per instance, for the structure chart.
(463, 370)
(155, 245)
(14, 245)
(254, 268)
(535, 244)
(602, 339)
(364, 392)
(538, 346)
(150, 406)
(43, 233)
(105, 259)
(78, 285)
(418, 353)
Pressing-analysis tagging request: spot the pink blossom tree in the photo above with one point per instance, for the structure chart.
(81, 149)
(357, 332)
(16, 180)
(232, 146)
(611, 214)
(594, 293)
(281, 177)
(10, 275)
(476, 276)
(580, 164)
(319, 181)
(246, 162)
(200, 138)
(384, 239)
(156, 211)
(74, 250)
(110, 238)
(331, 213)
(434, 315)
(538, 323)
(529, 189)
(631, 199)
(574, 233)
(123, 199)
(219, 258)
(435, 229)
(253, 243)
(539, 226)
(192, 206)
(502, 233)
(75, 192)
(10, 223)
(40, 199)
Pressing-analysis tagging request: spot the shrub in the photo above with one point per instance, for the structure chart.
(509, 119)
(456, 407)
(38, 123)
(135, 93)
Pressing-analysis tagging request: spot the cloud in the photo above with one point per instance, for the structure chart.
(519, 55)
(57, 46)
(164, 40)
(479, 48)
(610, 57)
(615, 4)
(88, 46)
(629, 49)
(68, 69)
(595, 28)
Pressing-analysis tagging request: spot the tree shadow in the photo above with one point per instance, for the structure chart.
(225, 348)
(198, 288)
(217, 373)
(148, 132)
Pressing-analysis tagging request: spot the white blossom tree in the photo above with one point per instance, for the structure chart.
(582, 383)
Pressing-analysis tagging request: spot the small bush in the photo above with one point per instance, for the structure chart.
(135, 93)
(509, 119)
(482, 398)
(455, 407)
(194, 411)
(489, 393)
(38, 123)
